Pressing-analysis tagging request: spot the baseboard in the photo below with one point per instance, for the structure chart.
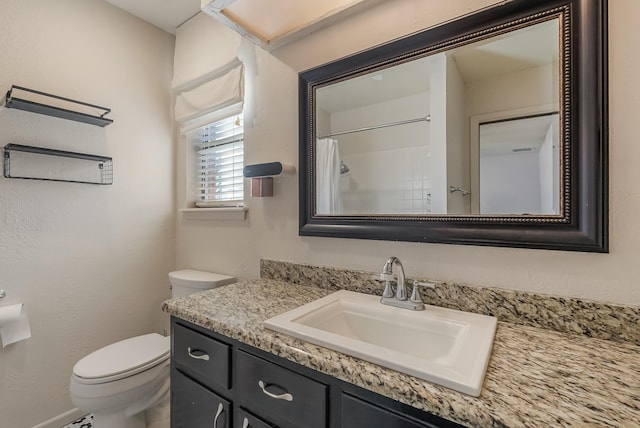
(62, 420)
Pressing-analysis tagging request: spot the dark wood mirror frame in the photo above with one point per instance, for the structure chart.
(583, 224)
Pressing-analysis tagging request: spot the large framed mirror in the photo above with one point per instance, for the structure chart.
(487, 130)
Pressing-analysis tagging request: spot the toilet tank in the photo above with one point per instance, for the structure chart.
(185, 282)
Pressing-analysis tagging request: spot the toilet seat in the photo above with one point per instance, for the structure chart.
(123, 359)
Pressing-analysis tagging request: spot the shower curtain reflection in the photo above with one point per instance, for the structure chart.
(328, 198)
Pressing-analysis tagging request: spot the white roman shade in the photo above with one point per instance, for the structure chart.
(203, 46)
(227, 90)
(208, 76)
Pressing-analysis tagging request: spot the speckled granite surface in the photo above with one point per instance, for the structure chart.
(574, 316)
(536, 377)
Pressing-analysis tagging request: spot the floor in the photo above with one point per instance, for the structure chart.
(157, 417)
(84, 422)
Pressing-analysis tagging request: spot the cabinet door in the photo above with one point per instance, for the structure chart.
(361, 414)
(202, 357)
(280, 395)
(244, 419)
(194, 406)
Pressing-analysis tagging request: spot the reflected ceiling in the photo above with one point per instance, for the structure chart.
(383, 85)
(510, 136)
(518, 50)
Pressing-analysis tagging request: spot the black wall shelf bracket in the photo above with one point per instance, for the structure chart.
(70, 167)
(42, 106)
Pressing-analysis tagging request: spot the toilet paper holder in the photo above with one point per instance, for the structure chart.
(3, 294)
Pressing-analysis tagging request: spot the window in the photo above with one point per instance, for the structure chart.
(219, 160)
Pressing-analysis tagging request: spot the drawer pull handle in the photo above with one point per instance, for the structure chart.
(245, 423)
(285, 396)
(192, 353)
(218, 413)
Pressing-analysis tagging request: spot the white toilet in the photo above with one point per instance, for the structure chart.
(122, 381)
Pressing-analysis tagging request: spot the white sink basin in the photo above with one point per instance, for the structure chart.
(444, 346)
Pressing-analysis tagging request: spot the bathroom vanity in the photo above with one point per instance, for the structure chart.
(536, 376)
(221, 382)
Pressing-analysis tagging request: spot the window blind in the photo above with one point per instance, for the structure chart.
(219, 150)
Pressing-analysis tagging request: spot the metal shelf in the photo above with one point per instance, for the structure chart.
(104, 164)
(21, 103)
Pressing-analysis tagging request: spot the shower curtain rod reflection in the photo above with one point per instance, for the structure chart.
(427, 118)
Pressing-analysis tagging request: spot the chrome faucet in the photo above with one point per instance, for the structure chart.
(398, 297)
(387, 277)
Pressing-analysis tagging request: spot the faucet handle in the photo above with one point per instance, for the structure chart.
(415, 293)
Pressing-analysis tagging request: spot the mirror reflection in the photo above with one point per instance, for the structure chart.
(519, 163)
(468, 131)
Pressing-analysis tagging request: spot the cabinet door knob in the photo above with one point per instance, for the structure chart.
(245, 423)
(199, 356)
(286, 396)
(218, 413)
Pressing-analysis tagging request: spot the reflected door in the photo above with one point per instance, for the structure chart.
(520, 166)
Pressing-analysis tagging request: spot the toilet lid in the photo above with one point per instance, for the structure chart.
(128, 357)
(198, 279)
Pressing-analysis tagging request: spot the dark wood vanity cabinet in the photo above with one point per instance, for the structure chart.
(280, 395)
(202, 357)
(193, 405)
(244, 419)
(218, 382)
(357, 413)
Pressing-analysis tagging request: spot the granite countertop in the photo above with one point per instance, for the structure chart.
(535, 378)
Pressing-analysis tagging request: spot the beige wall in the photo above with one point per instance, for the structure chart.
(89, 262)
(271, 229)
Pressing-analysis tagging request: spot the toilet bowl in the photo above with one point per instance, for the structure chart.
(122, 381)
(119, 382)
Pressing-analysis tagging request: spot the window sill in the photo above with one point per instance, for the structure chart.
(214, 213)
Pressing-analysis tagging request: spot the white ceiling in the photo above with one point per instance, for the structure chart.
(164, 14)
(274, 18)
(268, 23)
(274, 23)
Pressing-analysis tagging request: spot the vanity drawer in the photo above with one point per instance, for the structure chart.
(357, 413)
(244, 419)
(202, 357)
(193, 405)
(279, 395)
